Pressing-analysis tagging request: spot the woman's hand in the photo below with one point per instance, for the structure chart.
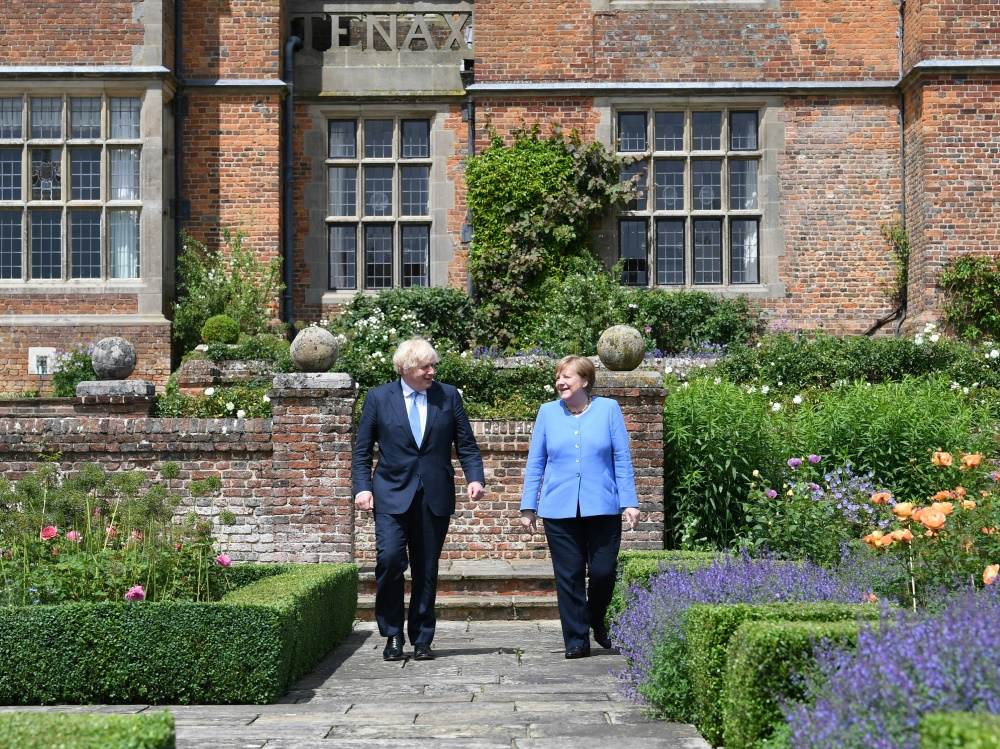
(528, 521)
(631, 516)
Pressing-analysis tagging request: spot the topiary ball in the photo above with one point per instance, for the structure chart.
(220, 329)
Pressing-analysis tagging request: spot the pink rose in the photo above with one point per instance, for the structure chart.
(73, 536)
(770, 494)
(49, 532)
(135, 593)
(794, 462)
(223, 560)
(136, 536)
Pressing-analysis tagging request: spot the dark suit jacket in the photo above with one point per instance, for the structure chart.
(402, 465)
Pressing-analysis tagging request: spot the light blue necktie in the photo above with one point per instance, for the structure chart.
(418, 433)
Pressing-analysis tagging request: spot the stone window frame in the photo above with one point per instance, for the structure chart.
(105, 203)
(441, 196)
(771, 244)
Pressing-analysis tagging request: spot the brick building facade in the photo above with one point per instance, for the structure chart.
(776, 137)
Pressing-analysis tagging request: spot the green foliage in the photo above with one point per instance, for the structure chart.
(708, 630)
(97, 536)
(235, 283)
(494, 392)
(965, 730)
(798, 361)
(717, 434)
(972, 296)
(532, 203)
(763, 662)
(248, 648)
(70, 369)
(220, 329)
(245, 400)
(261, 347)
(894, 233)
(149, 730)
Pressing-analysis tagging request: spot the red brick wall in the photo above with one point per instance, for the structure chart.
(803, 40)
(69, 32)
(951, 29)
(840, 181)
(152, 347)
(233, 39)
(38, 302)
(288, 479)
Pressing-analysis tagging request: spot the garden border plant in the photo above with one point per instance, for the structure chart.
(149, 730)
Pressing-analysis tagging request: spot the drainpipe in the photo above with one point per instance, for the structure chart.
(902, 163)
(180, 209)
(293, 44)
(468, 78)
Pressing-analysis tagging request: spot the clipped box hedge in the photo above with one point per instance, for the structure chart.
(764, 656)
(708, 630)
(637, 566)
(76, 731)
(249, 647)
(965, 730)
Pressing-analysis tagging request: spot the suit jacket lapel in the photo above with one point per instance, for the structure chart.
(435, 401)
(398, 404)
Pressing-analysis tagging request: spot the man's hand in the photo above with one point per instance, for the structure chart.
(631, 516)
(476, 490)
(364, 501)
(528, 521)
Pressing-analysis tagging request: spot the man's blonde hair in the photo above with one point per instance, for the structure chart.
(412, 354)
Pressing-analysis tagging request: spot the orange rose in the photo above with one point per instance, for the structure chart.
(932, 519)
(960, 491)
(968, 504)
(941, 459)
(886, 541)
(902, 535)
(903, 510)
(990, 574)
(945, 508)
(873, 538)
(985, 493)
(942, 495)
(870, 598)
(915, 515)
(881, 498)
(989, 531)
(971, 461)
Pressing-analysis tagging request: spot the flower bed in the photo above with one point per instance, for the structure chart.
(247, 648)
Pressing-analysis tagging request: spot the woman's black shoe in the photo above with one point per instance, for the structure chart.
(578, 652)
(603, 638)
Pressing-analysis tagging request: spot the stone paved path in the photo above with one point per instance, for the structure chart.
(494, 685)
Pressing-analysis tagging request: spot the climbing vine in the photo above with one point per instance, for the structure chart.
(532, 203)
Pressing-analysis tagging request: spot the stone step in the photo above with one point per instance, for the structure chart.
(487, 589)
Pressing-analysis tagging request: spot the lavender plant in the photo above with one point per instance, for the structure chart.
(654, 618)
(907, 666)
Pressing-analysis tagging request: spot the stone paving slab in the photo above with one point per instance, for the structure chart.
(494, 685)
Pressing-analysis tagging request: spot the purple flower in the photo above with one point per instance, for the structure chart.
(794, 462)
(136, 593)
(770, 494)
(223, 560)
(814, 458)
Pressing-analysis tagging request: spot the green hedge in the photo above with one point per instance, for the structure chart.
(764, 659)
(708, 630)
(247, 648)
(72, 731)
(965, 730)
(638, 566)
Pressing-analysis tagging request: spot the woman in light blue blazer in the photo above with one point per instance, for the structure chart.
(579, 479)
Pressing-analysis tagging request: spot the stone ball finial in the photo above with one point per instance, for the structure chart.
(314, 350)
(113, 358)
(621, 348)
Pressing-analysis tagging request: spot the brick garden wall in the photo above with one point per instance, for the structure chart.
(288, 478)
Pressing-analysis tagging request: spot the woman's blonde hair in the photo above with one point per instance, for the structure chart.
(582, 366)
(412, 354)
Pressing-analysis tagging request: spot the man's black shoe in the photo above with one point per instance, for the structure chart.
(577, 652)
(603, 638)
(393, 649)
(422, 652)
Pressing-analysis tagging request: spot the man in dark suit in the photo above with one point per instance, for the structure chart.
(415, 422)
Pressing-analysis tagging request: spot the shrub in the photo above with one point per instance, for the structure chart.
(250, 647)
(649, 632)
(764, 660)
(911, 665)
(260, 347)
(234, 283)
(220, 329)
(709, 631)
(247, 400)
(966, 730)
(972, 296)
(70, 369)
(635, 568)
(150, 730)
